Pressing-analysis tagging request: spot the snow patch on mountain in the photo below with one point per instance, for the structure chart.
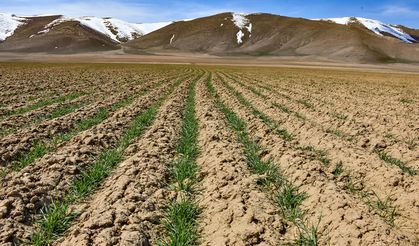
(242, 22)
(375, 26)
(117, 30)
(171, 39)
(240, 36)
(8, 24)
(249, 27)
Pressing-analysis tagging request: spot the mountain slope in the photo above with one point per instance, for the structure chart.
(414, 33)
(376, 27)
(61, 34)
(115, 29)
(348, 39)
(8, 24)
(266, 34)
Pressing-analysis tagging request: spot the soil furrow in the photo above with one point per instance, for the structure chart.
(179, 224)
(124, 88)
(129, 205)
(343, 218)
(365, 134)
(371, 149)
(27, 102)
(12, 146)
(170, 154)
(37, 86)
(25, 192)
(377, 121)
(343, 85)
(353, 161)
(235, 211)
(13, 123)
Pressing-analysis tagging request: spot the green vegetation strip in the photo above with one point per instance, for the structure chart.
(396, 162)
(281, 107)
(340, 134)
(41, 148)
(303, 102)
(262, 116)
(44, 103)
(180, 221)
(56, 113)
(56, 217)
(320, 155)
(286, 196)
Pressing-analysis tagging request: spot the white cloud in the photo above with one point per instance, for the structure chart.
(133, 12)
(394, 10)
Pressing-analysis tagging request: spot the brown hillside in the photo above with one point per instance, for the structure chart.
(412, 32)
(66, 37)
(276, 35)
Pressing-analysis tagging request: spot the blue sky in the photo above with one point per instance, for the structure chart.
(404, 12)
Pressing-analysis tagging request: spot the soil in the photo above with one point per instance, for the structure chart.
(337, 117)
(22, 140)
(235, 210)
(48, 178)
(342, 210)
(113, 215)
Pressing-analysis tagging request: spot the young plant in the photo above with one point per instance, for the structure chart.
(338, 169)
(285, 195)
(180, 220)
(180, 223)
(56, 217)
(283, 133)
(394, 161)
(319, 155)
(305, 103)
(289, 200)
(307, 234)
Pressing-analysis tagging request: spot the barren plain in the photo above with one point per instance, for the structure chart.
(181, 154)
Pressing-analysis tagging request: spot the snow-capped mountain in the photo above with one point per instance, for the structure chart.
(347, 38)
(63, 34)
(375, 26)
(8, 24)
(267, 34)
(116, 29)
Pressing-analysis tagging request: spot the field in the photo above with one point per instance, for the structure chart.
(125, 154)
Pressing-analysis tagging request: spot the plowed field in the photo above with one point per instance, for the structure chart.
(118, 154)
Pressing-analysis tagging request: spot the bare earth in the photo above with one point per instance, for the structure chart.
(290, 150)
(169, 57)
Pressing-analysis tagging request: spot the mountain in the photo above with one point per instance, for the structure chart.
(353, 39)
(412, 32)
(8, 25)
(61, 34)
(267, 34)
(117, 30)
(376, 27)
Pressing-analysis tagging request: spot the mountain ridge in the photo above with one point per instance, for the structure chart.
(346, 38)
(274, 35)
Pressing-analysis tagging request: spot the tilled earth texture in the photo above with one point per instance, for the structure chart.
(129, 154)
